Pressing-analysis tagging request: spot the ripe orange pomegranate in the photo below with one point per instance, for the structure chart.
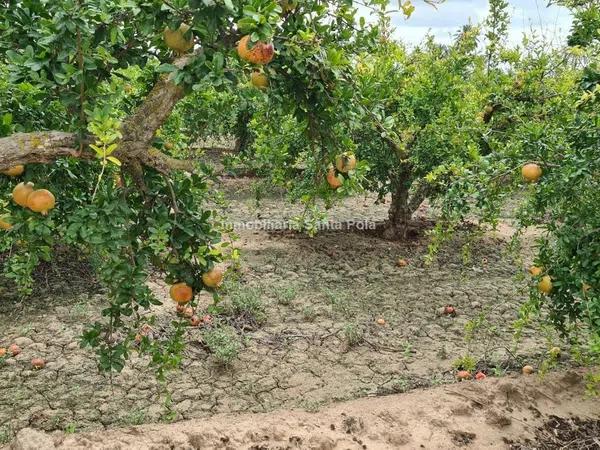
(527, 370)
(14, 349)
(14, 171)
(181, 293)
(531, 172)
(38, 363)
(259, 53)
(259, 80)
(333, 180)
(4, 225)
(21, 192)
(176, 41)
(480, 376)
(345, 162)
(213, 278)
(41, 201)
(463, 375)
(545, 284)
(535, 271)
(2, 352)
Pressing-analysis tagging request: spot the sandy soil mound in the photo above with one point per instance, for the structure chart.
(495, 413)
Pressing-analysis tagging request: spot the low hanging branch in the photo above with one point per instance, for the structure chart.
(135, 147)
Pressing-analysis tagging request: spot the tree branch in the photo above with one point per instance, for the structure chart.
(39, 147)
(135, 147)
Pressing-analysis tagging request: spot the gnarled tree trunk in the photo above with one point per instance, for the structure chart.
(404, 204)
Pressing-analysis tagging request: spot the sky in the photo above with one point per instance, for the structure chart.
(526, 15)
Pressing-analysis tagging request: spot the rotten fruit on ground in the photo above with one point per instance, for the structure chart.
(545, 284)
(345, 162)
(21, 193)
(449, 310)
(213, 278)
(333, 180)
(2, 352)
(402, 262)
(41, 201)
(188, 312)
(14, 349)
(259, 80)
(176, 40)
(258, 53)
(463, 375)
(181, 293)
(527, 370)
(195, 321)
(14, 171)
(38, 363)
(381, 321)
(531, 172)
(480, 376)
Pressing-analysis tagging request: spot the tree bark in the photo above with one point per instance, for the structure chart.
(404, 204)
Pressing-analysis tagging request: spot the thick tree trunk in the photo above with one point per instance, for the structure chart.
(399, 214)
(404, 204)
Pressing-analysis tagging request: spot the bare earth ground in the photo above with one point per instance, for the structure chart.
(494, 414)
(320, 344)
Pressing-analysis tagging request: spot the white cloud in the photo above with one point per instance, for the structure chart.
(527, 16)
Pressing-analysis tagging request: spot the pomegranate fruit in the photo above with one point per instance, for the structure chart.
(463, 375)
(545, 285)
(402, 262)
(181, 293)
(21, 193)
(527, 370)
(480, 376)
(535, 271)
(14, 349)
(14, 171)
(213, 278)
(41, 201)
(38, 363)
(345, 162)
(531, 172)
(195, 321)
(176, 41)
(260, 53)
(259, 80)
(333, 180)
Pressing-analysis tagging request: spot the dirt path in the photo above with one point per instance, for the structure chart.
(495, 414)
(319, 342)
